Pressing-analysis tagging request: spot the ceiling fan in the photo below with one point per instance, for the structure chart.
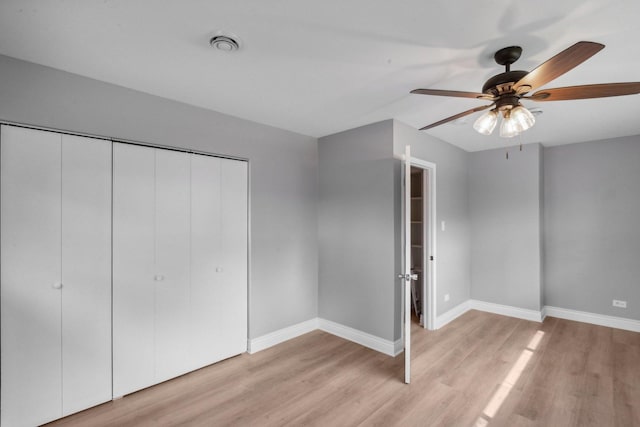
(505, 90)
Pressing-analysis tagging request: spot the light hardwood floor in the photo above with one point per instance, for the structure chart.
(481, 369)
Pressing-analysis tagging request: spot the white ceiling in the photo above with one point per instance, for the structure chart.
(323, 66)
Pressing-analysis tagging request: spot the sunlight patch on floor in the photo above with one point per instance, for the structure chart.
(510, 380)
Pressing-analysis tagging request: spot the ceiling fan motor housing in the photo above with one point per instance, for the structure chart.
(507, 102)
(502, 83)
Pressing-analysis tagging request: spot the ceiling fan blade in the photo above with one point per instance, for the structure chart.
(454, 93)
(586, 91)
(557, 66)
(457, 116)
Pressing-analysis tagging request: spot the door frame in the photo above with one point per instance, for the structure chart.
(429, 237)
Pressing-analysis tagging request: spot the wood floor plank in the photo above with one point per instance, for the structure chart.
(480, 370)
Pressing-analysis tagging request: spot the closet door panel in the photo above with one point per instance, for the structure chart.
(205, 261)
(233, 280)
(133, 272)
(30, 258)
(86, 273)
(172, 264)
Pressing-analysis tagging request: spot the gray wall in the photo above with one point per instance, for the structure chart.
(505, 205)
(357, 229)
(592, 231)
(453, 244)
(283, 171)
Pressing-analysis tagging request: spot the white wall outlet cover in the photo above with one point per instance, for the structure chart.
(619, 303)
(446, 297)
(443, 225)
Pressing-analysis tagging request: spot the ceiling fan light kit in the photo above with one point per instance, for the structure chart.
(515, 121)
(506, 89)
(509, 127)
(486, 123)
(522, 117)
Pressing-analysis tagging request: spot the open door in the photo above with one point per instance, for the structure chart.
(407, 276)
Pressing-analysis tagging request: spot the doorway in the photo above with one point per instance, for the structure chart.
(417, 246)
(418, 249)
(423, 303)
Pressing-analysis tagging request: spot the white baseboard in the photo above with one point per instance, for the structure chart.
(489, 307)
(596, 319)
(506, 310)
(452, 314)
(269, 340)
(393, 348)
(359, 337)
(398, 347)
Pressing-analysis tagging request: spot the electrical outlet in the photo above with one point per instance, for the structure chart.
(446, 297)
(620, 304)
(443, 226)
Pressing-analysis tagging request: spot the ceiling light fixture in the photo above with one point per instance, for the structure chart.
(522, 117)
(508, 128)
(224, 43)
(515, 120)
(486, 122)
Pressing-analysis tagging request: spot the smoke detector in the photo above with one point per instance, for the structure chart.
(224, 43)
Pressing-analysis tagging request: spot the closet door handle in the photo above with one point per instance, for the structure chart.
(57, 285)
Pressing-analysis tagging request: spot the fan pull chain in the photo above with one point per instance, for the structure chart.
(507, 151)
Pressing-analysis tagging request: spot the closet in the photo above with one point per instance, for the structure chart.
(418, 240)
(121, 265)
(55, 275)
(180, 263)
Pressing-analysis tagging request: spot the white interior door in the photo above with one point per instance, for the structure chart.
(133, 268)
(31, 353)
(407, 276)
(86, 273)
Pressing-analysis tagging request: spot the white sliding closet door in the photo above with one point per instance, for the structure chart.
(31, 331)
(134, 274)
(206, 267)
(180, 263)
(56, 281)
(151, 266)
(234, 191)
(218, 258)
(172, 264)
(86, 273)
